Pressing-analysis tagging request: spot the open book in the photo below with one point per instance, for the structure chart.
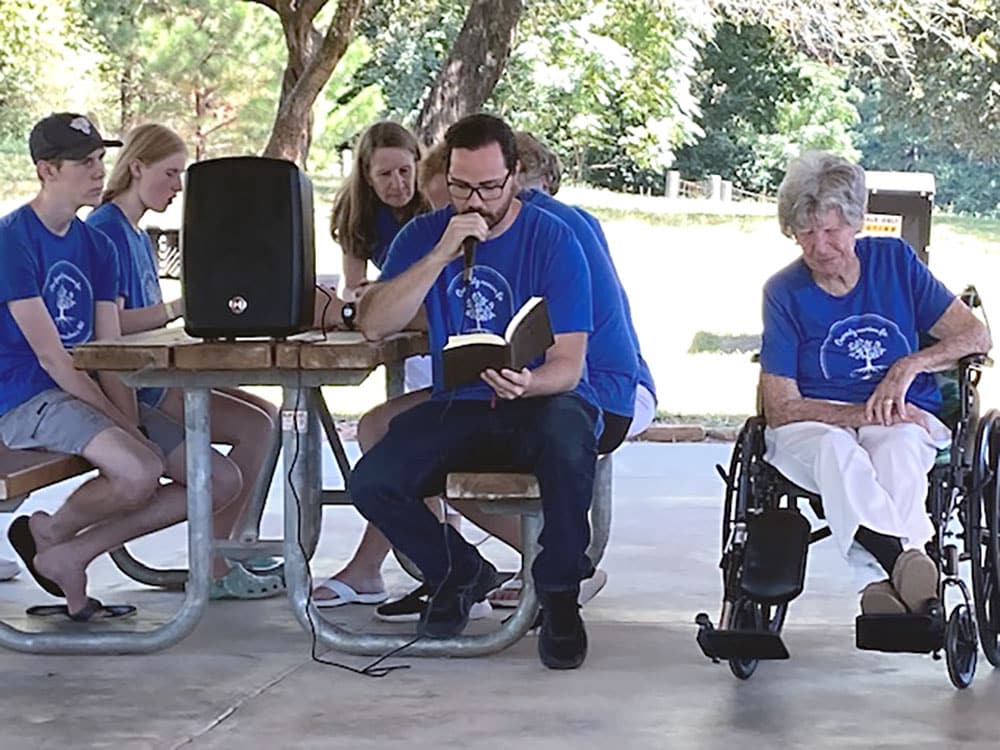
(528, 335)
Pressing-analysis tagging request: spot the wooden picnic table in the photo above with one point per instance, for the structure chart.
(300, 365)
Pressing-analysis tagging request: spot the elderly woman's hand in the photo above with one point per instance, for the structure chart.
(887, 405)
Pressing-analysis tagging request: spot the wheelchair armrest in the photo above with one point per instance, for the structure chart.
(975, 361)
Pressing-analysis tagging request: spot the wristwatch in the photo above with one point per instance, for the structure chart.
(349, 314)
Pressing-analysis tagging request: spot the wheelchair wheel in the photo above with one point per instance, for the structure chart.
(742, 474)
(750, 615)
(961, 647)
(983, 535)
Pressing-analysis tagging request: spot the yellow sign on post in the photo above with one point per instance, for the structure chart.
(882, 225)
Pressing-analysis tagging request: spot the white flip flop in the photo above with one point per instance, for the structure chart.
(345, 595)
(591, 587)
(496, 599)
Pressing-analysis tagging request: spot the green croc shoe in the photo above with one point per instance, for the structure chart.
(239, 583)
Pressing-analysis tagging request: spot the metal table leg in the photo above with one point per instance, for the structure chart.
(199, 508)
(302, 481)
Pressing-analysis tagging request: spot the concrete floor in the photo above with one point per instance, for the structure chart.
(245, 678)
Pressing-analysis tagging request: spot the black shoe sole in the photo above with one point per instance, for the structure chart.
(553, 662)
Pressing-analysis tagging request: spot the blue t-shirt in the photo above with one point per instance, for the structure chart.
(387, 226)
(839, 348)
(536, 256)
(645, 375)
(612, 359)
(137, 270)
(70, 273)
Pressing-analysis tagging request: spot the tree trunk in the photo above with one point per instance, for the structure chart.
(477, 60)
(312, 58)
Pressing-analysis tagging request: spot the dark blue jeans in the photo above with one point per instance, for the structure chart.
(549, 436)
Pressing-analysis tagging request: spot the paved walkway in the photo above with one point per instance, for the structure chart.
(245, 678)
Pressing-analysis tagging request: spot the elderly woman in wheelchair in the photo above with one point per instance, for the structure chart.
(851, 412)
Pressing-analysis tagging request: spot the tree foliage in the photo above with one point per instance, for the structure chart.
(45, 64)
(761, 104)
(208, 68)
(607, 85)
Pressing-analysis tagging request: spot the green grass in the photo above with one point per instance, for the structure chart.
(986, 230)
(743, 223)
(709, 421)
(727, 343)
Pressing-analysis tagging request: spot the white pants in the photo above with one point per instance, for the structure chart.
(872, 476)
(645, 411)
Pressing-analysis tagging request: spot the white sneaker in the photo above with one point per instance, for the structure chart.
(480, 610)
(8, 569)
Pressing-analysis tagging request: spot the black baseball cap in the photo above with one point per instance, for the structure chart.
(65, 135)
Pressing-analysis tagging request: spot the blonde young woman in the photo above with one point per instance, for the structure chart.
(147, 176)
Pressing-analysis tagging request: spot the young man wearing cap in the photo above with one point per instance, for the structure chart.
(58, 288)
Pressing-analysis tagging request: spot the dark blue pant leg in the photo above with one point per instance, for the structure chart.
(556, 442)
(388, 485)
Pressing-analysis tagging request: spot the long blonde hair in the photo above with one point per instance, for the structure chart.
(352, 225)
(149, 144)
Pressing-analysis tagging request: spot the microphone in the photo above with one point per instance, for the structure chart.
(469, 257)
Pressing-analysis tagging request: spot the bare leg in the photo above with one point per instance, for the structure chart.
(66, 562)
(363, 572)
(505, 528)
(247, 423)
(128, 473)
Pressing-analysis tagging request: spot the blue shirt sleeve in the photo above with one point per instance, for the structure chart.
(779, 348)
(566, 285)
(19, 269)
(125, 266)
(402, 253)
(413, 242)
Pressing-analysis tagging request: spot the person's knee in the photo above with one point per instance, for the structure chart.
(373, 480)
(364, 482)
(227, 481)
(134, 478)
(837, 442)
(262, 421)
(908, 447)
(372, 427)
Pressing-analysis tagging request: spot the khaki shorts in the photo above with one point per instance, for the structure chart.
(54, 420)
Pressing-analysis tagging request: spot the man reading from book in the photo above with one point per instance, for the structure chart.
(542, 418)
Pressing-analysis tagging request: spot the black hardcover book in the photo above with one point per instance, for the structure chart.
(528, 335)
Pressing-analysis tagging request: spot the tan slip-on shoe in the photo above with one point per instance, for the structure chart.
(880, 598)
(915, 578)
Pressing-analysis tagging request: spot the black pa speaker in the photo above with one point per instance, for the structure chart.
(247, 248)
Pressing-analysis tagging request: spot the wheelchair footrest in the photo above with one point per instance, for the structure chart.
(741, 644)
(918, 634)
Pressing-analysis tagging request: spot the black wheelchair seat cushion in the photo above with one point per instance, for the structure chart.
(774, 559)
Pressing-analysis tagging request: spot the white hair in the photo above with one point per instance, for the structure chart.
(816, 183)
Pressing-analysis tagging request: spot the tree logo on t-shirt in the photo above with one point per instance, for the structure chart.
(151, 289)
(861, 347)
(70, 301)
(484, 304)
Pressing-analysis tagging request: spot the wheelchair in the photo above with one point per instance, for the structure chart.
(765, 541)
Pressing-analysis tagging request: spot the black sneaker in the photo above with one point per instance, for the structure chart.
(451, 608)
(411, 606)
(407, 609)
(562, 642)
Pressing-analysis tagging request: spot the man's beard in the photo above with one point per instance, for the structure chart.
(495, 217)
